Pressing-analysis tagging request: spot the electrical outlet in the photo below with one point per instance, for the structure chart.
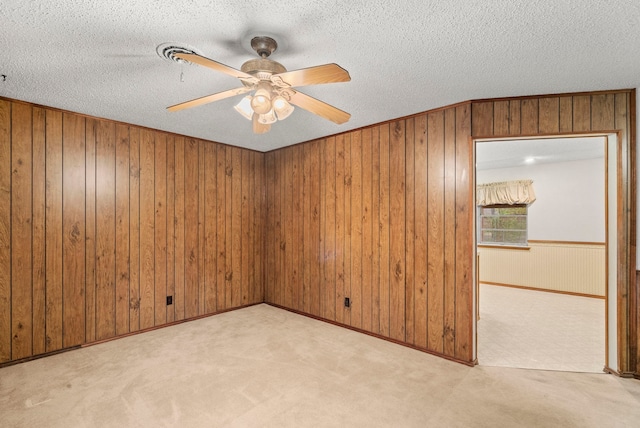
(347, 302)
(169, 300)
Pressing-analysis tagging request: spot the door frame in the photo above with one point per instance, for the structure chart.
(615, 282)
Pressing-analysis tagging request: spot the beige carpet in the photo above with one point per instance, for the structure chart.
(262, 366)
(539, 330)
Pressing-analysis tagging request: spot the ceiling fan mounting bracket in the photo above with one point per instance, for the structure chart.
(264, 45)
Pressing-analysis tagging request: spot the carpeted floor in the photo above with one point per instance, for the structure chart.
(540, 330)
(262, 366)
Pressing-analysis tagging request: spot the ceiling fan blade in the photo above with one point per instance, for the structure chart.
(259, 128)
(215, 65)
(327, 73)
(209, 98)
(318, 107)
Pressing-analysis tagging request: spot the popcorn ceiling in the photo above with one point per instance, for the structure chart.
(99, 58)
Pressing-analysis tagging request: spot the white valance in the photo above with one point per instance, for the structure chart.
(518, 192)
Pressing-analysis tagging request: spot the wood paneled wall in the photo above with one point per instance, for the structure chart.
(380, 215)
(101, 221)
(383, 215)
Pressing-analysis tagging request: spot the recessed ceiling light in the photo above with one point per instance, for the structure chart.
(529, 160)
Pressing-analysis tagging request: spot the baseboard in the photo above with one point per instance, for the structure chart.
(36, 357)
(625, 375)
(133, 333)
(378, 336)
(524, 287)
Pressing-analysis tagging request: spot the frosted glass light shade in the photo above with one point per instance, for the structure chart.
(244, 107)
(261, 101)
(282, 107)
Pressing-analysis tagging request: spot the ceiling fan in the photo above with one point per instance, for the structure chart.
(273, 86)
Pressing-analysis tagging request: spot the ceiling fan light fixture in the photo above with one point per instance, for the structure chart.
(244, 107)
(282, 107)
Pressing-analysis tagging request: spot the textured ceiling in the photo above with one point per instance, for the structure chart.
(520, 153)
(99, 57)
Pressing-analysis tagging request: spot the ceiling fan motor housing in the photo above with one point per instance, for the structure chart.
(263, 69)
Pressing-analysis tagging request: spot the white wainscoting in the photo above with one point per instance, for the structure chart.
(569, 267)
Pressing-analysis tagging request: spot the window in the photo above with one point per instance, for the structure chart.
(502, 225)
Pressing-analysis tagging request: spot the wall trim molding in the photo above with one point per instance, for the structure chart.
(540, 241)
(523, 287)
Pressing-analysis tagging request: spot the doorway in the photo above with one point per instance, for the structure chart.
(542, 270)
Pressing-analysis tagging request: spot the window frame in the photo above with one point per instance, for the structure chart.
(480, 229)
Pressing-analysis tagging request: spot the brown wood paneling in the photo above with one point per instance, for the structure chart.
(529, 116)
(397, 231)
(252, 236)
(464, 235)
(435, 231)
(236, 228)
(134, 229)
(375, 225)
(566, 114)
(549, 111)
(367, 230)
(53, 233)
(420, 243)
(21, 231)
(514, 117)
(210, 227)
(246, 226)
(303, 255)
(624, 322)
(171, 225)
(410, 223)
(281, 214)
(297, 247)
(202, 287)
(220, 189)
(450, 261)
(91, 132)
(5, 231)
(482, 119)
(191, 193)
(435, 219)
(328, 295)
(269, 233)
(342, 313)
(603, 112)
(384, 195)
(73, 229)
(357, 288)
(311, 196)
(122, 243)
(501, 118)
(228, 226)
(285, 167)
(98, 208)
(581, 113)
(160, 230)
(259, 226)
(147, 229)
(105, 230)
(179, 296)
(38, 236)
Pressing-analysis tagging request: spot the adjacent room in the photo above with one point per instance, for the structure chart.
(541, 225)
(241, 214)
